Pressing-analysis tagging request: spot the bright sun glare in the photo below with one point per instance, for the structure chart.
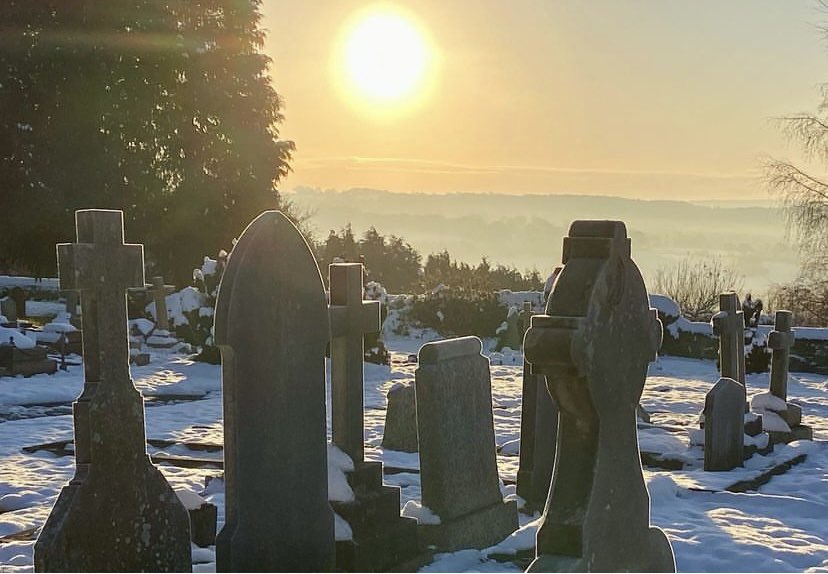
(386, 57)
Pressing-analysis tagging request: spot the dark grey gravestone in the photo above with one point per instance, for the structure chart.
(72, 302)
(271, 325)
(729, 326)
(400, 431)
(8, 308)
(19, 296)
(780, 341)
(159, 296)
(538, 435)
(458, 464)
(724, 427)
(593, 345)
(381, 538)
(118, 514)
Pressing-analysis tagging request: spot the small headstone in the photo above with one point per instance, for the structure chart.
(593, 345)
(458, 465)
(400, 431)
(19, 296)
(724, 425)
(538, 435)
(780, 341)
(159, 297)
(271, 324)
(8, 309)
(118, 514)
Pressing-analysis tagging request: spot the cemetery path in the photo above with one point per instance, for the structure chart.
(780, 527)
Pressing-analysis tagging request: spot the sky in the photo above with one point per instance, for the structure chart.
(653, 99)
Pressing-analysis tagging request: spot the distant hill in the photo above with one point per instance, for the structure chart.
(526, 230)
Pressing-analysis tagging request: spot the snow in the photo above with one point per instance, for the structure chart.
(21, 341)
(768, 402)
(423, 514)
(811, 333)
(780, 527)
(665, 304)
(772, 422)
(682, 324)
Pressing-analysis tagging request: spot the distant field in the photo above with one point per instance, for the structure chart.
(526, 230)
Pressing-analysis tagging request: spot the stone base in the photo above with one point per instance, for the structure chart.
(382, 539)
(26, 362)
(203, 521)
(798, 432)
(480, 529)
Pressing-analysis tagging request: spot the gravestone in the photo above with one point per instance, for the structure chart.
(458, 464)
(780, 341)
(159, 297)
(593, 345)
(72, 301)
(729, 327)
(381, 537)
(400, 430)
(271, 324)
(8, 309)
(18, 295)
(724, 426)
(538, 435)
(118, 514)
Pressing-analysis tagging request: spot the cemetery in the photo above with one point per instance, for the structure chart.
(585, 446)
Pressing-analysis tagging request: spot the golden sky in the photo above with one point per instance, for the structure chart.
(642, 98)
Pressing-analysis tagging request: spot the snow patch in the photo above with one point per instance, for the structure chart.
(423, 514)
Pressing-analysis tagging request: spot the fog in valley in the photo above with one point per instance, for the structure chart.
(525, 231)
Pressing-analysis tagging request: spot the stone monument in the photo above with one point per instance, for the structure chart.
(271, 324)
(458, 464)
(400, 430)
(724, 426)
(593, 345)
(381, 537)
(118, 514)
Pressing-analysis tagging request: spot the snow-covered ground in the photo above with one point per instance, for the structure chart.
(782, 527)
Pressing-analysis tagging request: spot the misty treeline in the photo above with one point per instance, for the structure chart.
(400, 268)
(164, 110)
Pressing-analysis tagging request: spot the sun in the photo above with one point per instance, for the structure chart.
(384, 59)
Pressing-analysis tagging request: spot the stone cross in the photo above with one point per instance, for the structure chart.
(729, 326)
(350, 319)
(18, 294)
(538, 434)
(593, 345)
(458, 461)
(724, 425)
(780, 341)
(159, 296)
(118, 513)
(271, 325)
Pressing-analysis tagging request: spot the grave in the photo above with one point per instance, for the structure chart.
(400, 430)
(271, 325)
(118, 513)
(458, 465)
(780, 418)
(538, 435)
(724, 421)
(8, 309)
(72, 302)
(160, 337)
(18, 295)
(381, 537)
(593, 345)
(26, 362)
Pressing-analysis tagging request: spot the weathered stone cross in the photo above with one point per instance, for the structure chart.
(780, 341)
(351, 318)
(729, 326)
(159, 296)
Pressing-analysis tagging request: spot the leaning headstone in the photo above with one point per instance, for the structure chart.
(593, 345)
(400, 430)
(538, 435)
(458, 464)
(271, 324)
(381, 538)
(118, 514)
(8, 309)
(724, 426)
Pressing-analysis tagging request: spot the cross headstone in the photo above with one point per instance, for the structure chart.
(538, 434)
(8, 308)
(351, 318)
(458, 464)
(19, 296)
(391, 539)
(729, 326)
(118, 513)
(271, 324)
(780, 341)
(159, 297)
(724, 426)
(593, 345)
